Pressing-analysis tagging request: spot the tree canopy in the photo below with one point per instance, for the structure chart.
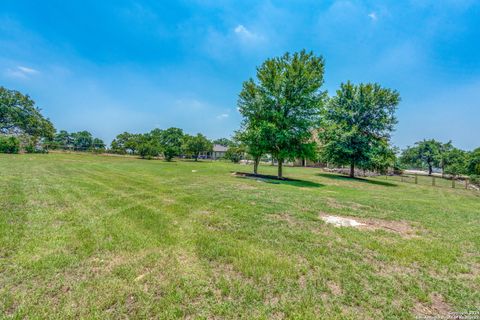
(357, 123)
(19, 115)
(171, 143)
(425, 153)
(195, 145)
(282, 107)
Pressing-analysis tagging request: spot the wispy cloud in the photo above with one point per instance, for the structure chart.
(222, 116)
(246, 35)
(21, 72)
(373, 16)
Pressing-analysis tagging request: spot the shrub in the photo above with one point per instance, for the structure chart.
(234, 154)
(9, 144)
(475, 179)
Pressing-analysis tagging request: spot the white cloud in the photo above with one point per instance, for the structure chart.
(21, 72)
(246, 35)
(373, 16)
(222, 116)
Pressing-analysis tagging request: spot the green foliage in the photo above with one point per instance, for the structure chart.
(147, 146)
(18, 115)
(454, 161)
(283, 106)
(98, 145)
(195, 145)
(473, 166)
(224, 142)
(425, 153)
(234, 154)
(357, 124)
(82, 140)
(126, 143)
(171, 143)
(63, 140)
(9, 144)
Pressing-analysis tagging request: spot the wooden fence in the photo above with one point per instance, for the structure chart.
(434, 181)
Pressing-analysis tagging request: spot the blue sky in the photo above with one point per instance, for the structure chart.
(114, 66)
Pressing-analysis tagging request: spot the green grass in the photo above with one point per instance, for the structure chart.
(112, 237)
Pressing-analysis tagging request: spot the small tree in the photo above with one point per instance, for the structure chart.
(195, 145)
(455, 162)
(357, 124)
(425, 153)
(234, 154)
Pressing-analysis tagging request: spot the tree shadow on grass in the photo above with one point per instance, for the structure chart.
(274, 180)
(356, 179)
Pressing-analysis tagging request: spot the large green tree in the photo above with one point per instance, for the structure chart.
(357, 124)
(19, 115)
(283, 106)
(171, 143)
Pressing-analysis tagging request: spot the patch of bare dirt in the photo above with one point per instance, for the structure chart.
(400, 227)
(334, 288)
(438, 307)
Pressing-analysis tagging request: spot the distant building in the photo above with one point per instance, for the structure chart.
(218, 151)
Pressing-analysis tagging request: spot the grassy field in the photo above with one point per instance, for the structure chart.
(112, 237)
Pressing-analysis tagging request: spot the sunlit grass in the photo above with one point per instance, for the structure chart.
(111, 237)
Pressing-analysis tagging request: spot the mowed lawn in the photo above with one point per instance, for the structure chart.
(116, 237)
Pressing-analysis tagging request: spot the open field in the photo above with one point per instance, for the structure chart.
(110, 237)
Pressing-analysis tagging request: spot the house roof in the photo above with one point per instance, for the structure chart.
(219, 148)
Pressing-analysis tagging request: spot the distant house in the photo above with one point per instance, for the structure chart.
(218, 151)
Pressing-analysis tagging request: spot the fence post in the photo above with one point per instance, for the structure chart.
(416, 178)
(433, 181)
(453, 183)
(466, 183)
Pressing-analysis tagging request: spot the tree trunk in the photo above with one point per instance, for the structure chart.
(352, 169)
(430, 170)
(256, 160)
(280, 168)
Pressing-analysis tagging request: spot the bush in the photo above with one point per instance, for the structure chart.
(475, 179)
(9, 144)
(234, 154)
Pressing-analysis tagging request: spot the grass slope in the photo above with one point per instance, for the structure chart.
(110, 237)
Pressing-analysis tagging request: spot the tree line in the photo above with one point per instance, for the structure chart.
(430, 154)
(169, 143)
(286, 116)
